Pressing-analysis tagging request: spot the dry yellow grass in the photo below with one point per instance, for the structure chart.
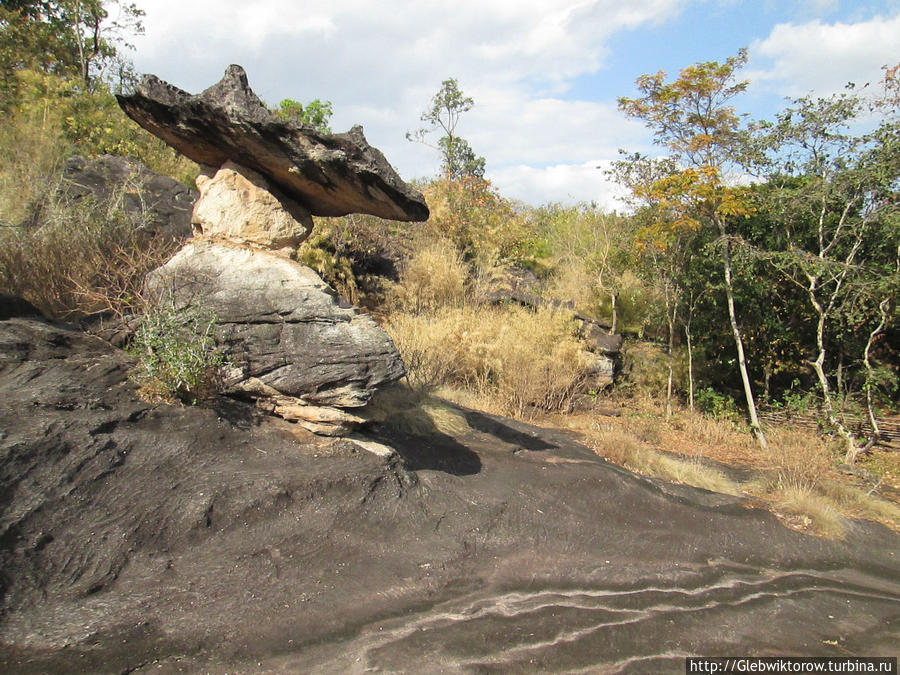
(797, 478)
(811, 511)
(523, 361)
(626, 449)
(516, 362)
(435, 276)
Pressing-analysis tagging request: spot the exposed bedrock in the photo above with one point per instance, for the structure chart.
(150, 539)
(160, 204)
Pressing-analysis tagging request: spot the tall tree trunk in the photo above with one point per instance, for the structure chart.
(614, 301)
(739, 343)
(818, 367)
(671, 318)
(870, 399)
(690, 355)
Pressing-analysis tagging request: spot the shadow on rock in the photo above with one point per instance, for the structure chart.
(494, 427)
(435, 451)
(240, 414)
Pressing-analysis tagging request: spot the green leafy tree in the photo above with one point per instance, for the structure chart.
(832, 193)
(69, 38)
(316, 113)
(693, 118)
(447, 106)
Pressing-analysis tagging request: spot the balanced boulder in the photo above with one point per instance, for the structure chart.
(289, 343)
(329, 174)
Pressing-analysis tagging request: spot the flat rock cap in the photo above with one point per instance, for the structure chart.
(329, 174)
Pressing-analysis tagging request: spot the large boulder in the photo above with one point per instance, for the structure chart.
(329, 174)
(280, 325)
(161, 204)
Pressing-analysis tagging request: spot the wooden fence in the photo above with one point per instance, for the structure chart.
(888, 426)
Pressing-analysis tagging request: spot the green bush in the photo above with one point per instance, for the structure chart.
(178, 354)
(716, 405)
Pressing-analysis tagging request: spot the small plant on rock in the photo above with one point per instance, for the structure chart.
(178, 354)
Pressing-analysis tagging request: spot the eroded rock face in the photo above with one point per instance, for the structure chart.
(329, 174)
(281, 326)
(238, 204)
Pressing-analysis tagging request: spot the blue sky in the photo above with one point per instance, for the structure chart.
(545, 74)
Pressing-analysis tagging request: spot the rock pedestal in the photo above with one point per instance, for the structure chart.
(238, 204)
(288, 343)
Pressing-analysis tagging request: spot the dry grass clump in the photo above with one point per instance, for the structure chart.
(807, 509)
(800, 460)
(435, 276)
(709, 432)
(802, 481)
(78, 257)
(861, 503)
(798, 477)
(573, 283)
(405, 410)
(626, 449)
(521, 360)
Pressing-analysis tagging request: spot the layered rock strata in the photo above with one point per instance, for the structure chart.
(288, 342)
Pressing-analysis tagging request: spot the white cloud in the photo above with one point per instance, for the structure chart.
(567, 183)
(795, 60)
(380, 63)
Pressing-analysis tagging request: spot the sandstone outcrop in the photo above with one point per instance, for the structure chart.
(289, 344)
(238, 204)
(329, 174)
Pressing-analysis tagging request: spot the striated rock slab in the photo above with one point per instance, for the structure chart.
(239, 205)
(280, 324)
(329, 174)
(138, 539)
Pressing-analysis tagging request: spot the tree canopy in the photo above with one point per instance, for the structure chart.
(447, 106)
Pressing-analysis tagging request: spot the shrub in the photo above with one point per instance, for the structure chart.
(716, 405)
(177, 353)
(434, 276)
(79, 257)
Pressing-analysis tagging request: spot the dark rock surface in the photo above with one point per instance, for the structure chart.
(598, 337)
(281, 324)
(165, 539)
(329, 174)
(163, 204)
(12, 306)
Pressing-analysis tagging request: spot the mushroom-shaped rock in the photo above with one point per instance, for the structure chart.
(328, 174)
